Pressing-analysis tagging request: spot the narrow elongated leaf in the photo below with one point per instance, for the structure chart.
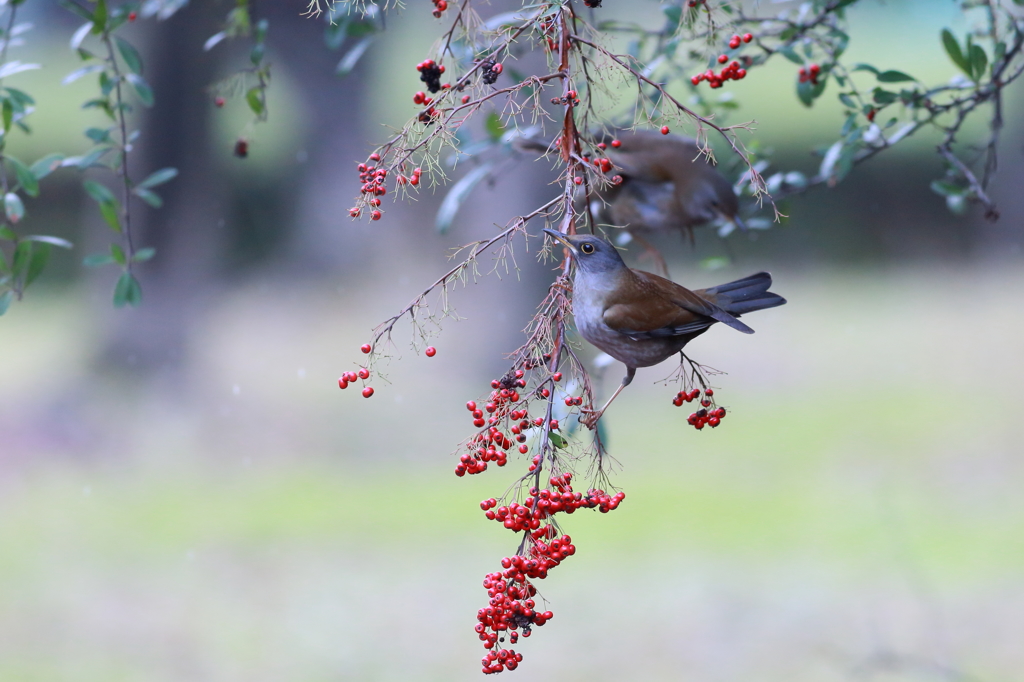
(143, 255)
(159, 177)
(46, 165)
(149, 196)
(109, 211)
(141, 88)
(79, 36)
(75, 8)
(952, 46)
(979, 62)
(47, 239)
(26, 178)
(127, 291)
(97, 260)
(790, 54)
(78, 73)
(7, 114)
(99, 17)
(893, 76)
(866, 67)
(40, 254)
(351, 58)
(130, 55)
(98, 192)
(13, 207)
(212, 41)
(11, 68)
(457, 196)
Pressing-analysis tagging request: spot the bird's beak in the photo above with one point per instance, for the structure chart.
(559, 237)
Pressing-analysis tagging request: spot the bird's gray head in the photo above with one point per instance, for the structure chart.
(591, 254)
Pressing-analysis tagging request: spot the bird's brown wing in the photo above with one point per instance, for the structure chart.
(667, 304)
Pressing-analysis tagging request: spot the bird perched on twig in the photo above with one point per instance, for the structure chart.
(641, 319)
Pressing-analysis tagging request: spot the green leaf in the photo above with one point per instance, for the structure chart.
(808, 92)
(40, 254)
(21, 99)
(557, 440)
(866, 67)
(352, 57)
(8, 114)
(979, 62)
(457, 196)
(5, 301)
(75, 8)
(90, 159)
(884, 97)
(98, 135)
(46, 165)
(109, 211)
(494, 126)
(47, 239)
(952, 46)
(159, 177)
(254, 100)
(789, 53)
(96, 260)
(847, 100)
(99, 17)
(894, 77)
(150, 197)
(13, 207)
(130, 55)
(22, 255)
(141, 88)
(117, 253)
(256, 54)
(143, 255)
(26, 178)
(673, 15)
(8, 234)
(98, 192)
(127, 291)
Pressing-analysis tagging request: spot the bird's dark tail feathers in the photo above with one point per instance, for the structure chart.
(745, 295)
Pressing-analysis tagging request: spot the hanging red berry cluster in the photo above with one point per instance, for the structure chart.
(733, 72)
(809, 74)
(511, 609)
(709, 414)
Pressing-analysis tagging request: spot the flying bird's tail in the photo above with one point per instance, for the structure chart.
(744, 295)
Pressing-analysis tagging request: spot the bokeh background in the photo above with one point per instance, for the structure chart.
(186, 495)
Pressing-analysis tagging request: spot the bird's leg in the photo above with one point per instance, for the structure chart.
(591, 417)
(651, 252)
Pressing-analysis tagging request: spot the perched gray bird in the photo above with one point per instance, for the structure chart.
(641, 319)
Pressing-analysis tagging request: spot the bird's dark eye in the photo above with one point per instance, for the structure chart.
(587, 247)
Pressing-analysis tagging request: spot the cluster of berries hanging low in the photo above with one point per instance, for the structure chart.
(709, 414)
(511, 609)
(733, 72)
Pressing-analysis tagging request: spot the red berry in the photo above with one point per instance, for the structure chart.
(220, 101)
(664, 130)
(366, 348)
(354, 212)
(497, 68)
(367, 392)
(465, 99)
(734, 42)
(342, 383)
(557, 376)
(578, 180)
(722, 59)
(430, 351)
(419, 98)
(442, 5)
(374, 215)
(375, 157)
(471, 405)
(747, 37)
(132, 16)
(709, 392)
(616, 143)
(695, 80)
(523, 449)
